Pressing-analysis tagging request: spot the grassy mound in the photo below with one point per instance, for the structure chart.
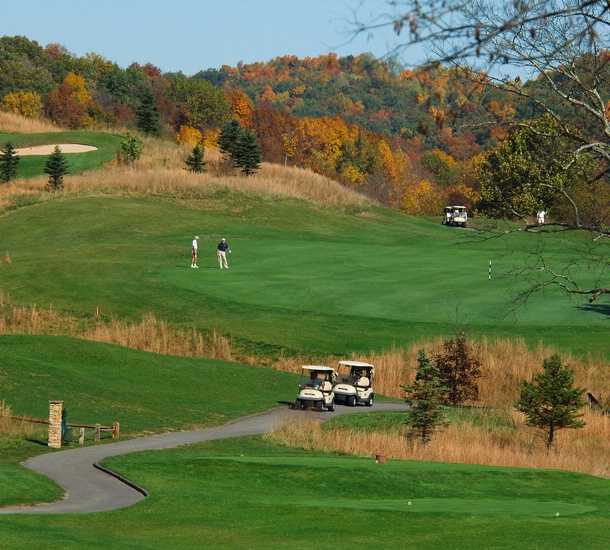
(289, 498)
(31, 166)
(101, 383)
(303, 278)
(145, 392)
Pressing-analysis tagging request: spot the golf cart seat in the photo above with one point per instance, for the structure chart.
(363, 382)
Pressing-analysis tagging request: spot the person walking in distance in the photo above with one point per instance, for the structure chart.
(221, 252)
(195, 252)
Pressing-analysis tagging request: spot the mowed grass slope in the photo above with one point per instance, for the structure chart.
(100, 383)
(33, 165)
(303, 278)
(248, 493)
(146, 392)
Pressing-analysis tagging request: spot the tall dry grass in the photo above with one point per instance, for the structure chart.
(11, 122)
(504, 364)
(161, 172)
(9, 426)
(585, 450)
(156, 336)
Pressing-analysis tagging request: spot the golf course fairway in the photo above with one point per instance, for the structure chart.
(303, 278)
(251, 493)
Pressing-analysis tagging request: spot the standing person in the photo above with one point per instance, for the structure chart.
(221, 252)
(541, 216)
(195, 252)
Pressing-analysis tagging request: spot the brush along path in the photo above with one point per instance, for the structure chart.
(89, 489)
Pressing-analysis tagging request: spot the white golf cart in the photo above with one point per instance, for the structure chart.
(316, 388)
(455, 216)
(355, 383)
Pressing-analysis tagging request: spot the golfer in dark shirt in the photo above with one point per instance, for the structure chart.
(221, 252)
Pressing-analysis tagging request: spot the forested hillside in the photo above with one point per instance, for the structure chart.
(412, 139)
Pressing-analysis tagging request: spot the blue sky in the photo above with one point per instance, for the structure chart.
(190, 35)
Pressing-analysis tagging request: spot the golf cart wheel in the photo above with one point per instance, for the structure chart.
(351, 400)
(370, 401)
(331, 407)
(320, 405)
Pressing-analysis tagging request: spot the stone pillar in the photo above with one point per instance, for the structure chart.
(55, 413)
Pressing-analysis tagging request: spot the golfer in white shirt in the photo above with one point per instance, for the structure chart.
(195, 252)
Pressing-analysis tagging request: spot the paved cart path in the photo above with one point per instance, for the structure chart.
(89, 489)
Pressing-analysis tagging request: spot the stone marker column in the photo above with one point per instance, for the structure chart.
(55, 413)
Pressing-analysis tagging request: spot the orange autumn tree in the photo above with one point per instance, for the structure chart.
(242, 107)
(71, 104)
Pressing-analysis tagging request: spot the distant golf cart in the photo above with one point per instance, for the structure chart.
(355, 383)
(455, 216)
(316, 388)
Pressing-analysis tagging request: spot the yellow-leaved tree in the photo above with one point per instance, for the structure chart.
(22, 102)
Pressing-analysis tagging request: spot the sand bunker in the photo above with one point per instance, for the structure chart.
(48, 149)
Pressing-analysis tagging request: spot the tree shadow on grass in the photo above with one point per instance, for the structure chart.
(601, 309)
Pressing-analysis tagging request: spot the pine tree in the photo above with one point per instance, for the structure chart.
(148, 115)
(8, 163)
(247, 154)
(424, 397)
(195, 162)
(56, 168)
(228, 138)
(551, 402)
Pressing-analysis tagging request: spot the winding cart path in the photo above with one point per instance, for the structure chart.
(91, 488)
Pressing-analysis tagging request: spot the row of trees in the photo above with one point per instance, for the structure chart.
(549, 402)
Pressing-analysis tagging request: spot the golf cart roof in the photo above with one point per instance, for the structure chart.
(458, 207)
(318, 368)
(356, 364)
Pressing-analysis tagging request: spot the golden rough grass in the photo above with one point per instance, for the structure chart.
(11, 122)
(161, 172)
(153, 335)
(585, 450)
(8, 426)
(150, 334)
(504, 364)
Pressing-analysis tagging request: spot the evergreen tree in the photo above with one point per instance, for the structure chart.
(227, 141)
(424, 397)
(8, 163)
(56, 168)
(459, 370)
(247, 154)
(131, 149)
(148, 115)
(551, 402)
(195, 162)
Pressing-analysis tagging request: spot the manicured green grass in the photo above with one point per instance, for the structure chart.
(302, 278)
(100, 383)
(30, 166)
(18, 484)
(247, 493)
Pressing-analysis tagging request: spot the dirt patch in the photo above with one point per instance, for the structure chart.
(48, 149)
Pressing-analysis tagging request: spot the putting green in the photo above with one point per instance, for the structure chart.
(302, 278)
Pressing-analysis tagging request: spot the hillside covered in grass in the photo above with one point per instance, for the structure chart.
(303, 277)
